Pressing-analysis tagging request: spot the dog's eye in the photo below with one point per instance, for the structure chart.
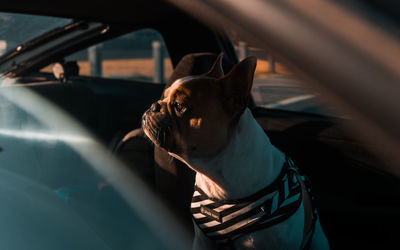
(180, 108)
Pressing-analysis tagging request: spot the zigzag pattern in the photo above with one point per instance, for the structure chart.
(226, 220)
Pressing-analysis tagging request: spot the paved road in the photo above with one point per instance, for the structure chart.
(286, 92)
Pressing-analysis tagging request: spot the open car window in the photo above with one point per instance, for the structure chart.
(139, 55)
(276, 87)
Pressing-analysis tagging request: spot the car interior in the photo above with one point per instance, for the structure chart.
(357, 202)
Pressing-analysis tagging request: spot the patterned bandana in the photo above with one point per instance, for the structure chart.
(224, 221)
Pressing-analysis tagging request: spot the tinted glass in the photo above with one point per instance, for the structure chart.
(16, 29)
(276, 87)
(55, 192)
(140, 55)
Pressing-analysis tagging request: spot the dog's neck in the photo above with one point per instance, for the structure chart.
(246, 165)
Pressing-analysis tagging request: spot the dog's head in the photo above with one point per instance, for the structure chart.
(197, 114)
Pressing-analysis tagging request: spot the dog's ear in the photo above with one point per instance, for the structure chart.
(236, 85)
(216, 70)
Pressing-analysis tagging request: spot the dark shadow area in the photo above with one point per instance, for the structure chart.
(359, 206)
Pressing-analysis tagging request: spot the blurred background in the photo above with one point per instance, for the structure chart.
(142, 55)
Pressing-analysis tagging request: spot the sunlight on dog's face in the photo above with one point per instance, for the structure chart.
(190, 119)
(198, 114)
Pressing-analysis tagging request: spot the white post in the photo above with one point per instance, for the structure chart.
(271, 63)
(158, 57)
(94, 55)
(243, 50)
(3, 47)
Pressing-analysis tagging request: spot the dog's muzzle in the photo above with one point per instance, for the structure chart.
(156, 124)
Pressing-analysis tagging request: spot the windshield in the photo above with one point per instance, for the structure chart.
(16, 29)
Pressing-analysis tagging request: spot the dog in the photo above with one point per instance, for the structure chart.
(248, 194)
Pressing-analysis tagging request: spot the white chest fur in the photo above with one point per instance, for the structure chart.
(248, 163)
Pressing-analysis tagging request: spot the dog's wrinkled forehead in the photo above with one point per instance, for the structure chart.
(180, 82)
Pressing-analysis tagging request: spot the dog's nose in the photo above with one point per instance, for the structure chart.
(155, 107)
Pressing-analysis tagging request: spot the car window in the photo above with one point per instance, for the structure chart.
(139, 55)
(276, 87)
(16, 29)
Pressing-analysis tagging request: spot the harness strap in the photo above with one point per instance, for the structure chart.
(225, 221)
(311, 215)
